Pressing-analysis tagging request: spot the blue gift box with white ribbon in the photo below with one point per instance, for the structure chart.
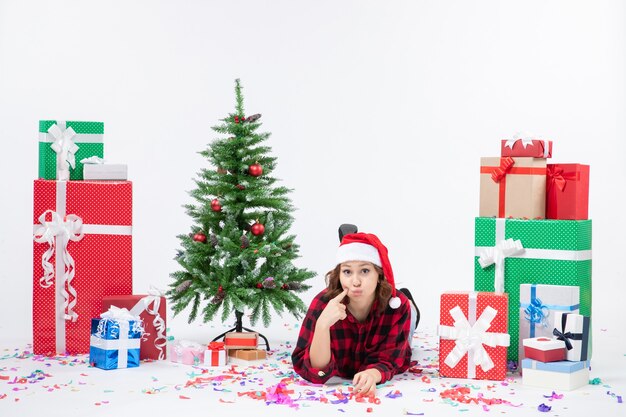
(115, 342)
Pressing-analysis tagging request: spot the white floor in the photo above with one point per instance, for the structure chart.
(69, 387)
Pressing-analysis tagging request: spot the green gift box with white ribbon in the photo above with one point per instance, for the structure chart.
(511, 252)
(63, 144)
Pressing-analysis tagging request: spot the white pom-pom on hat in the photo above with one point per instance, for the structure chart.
(367, 247)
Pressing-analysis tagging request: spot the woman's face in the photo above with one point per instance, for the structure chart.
(360, 278)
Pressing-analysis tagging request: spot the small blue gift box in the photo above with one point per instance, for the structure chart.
(114, 343)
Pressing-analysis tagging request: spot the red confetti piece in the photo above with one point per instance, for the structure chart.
(369, 409)
(4, 378)
(182, 397)
(426, 379)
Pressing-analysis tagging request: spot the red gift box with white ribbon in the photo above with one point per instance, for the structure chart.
(82, 252)
(151, 310)
(473, 336)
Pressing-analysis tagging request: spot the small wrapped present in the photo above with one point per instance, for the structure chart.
(473, 335)
(524, 145)
(215, 354)
(562, 375)
(186, 352)
(539, 305)
(115, 340)
(567, 192)
(544, 349)
(62, 145)
(247, 354)
(104, 172)
(241, 340)
(573, 329)
(151, 309)
(513, 187)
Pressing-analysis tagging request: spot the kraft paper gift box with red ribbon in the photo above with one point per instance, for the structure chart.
(64, 144)
(115, 339)
(511, 252)
(473, 336)
(215, 354)
(241, 340)
(544, 349)
(526, 147)
(567, 192)
(562, 375)
(151, 309)
(186, 352)
(82, 252)
(513, 187)
(247, 354)
(573, 329)
(539, 305)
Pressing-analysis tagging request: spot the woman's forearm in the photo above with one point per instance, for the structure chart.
(319, 351)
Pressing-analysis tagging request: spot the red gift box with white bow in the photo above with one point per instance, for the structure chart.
(82, 252)
(473, 336)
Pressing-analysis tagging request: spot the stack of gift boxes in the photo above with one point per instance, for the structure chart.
(532, 273)
(82, 253)
(240, 345)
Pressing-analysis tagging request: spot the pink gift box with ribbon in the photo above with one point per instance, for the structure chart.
(186, 352)
(151, 309)
(215, 355)
(82, 252)
(473, 336)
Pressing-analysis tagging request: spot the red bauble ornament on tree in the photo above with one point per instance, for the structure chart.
(200, 237)
(259, 285)
(215, 205)
(241, 187)
(257, 229)
(256, 170)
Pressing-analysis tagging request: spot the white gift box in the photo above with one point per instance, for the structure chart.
(562, 375)
(575, 329)
(215, 357)
(538, 306)
(105, 172)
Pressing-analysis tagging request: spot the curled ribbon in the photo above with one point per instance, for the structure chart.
(536, 312)
(65, 148)
(496, 255)
(154, 300)
(216, 346)
(506, 164)
(51, 232)
(471, 338)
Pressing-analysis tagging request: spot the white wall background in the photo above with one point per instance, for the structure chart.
(379, 112)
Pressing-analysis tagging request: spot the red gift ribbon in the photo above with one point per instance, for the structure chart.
(557, 177)
(498, 174)
(216, 346)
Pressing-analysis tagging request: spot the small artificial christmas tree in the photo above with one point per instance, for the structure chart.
(239, 254)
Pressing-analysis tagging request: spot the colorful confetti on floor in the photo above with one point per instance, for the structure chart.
(67, 386)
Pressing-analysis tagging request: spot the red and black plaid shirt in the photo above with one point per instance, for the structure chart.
(381, 342)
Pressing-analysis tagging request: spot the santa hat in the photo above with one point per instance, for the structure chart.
(367, 247)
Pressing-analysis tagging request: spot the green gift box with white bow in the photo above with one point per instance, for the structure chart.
(63, 144)
(511, 252)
